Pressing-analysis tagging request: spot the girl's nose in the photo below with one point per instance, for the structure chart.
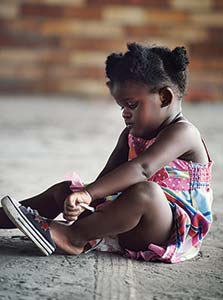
(126, 114)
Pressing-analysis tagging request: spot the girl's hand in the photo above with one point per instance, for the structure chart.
(72, 208)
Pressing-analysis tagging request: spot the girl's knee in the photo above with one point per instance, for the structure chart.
(60, 191)
(61, 188)
(148, 196)
(145, 190)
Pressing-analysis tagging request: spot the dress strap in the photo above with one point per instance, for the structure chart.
(206, 149)
(183, 121)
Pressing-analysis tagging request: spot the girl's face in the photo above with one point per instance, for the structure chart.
(142, 111)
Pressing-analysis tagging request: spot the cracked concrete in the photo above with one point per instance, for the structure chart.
(42, 141)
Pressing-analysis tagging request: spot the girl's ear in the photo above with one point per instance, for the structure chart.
(166, 96)
(108, 83)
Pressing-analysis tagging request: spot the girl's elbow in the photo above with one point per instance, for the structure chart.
(146, 170)
(142, 170)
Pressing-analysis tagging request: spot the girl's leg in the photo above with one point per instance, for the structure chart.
(140, 216)
(49, 203)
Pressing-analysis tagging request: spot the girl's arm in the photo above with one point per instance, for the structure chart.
(173, 142)
(119, 154)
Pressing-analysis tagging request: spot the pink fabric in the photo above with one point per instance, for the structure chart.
(186, 186)
(76, 182)
(178, 174)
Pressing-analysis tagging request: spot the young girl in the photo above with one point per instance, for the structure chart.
(159, 173)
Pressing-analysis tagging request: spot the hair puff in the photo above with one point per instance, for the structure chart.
(180, 58)
(154, 66)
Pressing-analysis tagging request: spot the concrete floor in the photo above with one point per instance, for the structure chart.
(42, 141)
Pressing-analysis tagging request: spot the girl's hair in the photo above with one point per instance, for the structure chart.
(154, 66)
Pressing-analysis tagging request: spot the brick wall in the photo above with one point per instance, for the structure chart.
(59, 46)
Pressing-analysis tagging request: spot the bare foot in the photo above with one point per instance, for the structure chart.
(63, 238)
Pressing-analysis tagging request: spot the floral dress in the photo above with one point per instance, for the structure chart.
(186, 186)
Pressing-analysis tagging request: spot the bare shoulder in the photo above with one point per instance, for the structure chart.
(182, 129)
(123, 138)
(186, 135)
(179, 140)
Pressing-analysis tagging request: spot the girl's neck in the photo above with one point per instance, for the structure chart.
(173, 118)
(175, 115)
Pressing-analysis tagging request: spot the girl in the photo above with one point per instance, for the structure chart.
(159, 173)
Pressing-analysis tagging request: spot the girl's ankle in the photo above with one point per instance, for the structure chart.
(63, 238)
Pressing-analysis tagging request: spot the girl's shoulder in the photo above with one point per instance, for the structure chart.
(187, 133)
(123, 140)
(181, 127)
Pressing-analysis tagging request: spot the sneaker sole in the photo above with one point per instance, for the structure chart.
(22, 222)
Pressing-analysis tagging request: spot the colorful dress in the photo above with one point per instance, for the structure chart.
(186, 186)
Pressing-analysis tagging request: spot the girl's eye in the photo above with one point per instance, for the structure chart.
(132, 105)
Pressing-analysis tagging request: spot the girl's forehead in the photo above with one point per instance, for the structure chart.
(128, 90)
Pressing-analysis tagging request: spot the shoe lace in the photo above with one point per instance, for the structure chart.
(32, 211)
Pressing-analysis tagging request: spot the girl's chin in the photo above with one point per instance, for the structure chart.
(139, 134)
(135, 133)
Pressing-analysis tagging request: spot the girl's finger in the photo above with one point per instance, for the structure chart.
(77, 209)
(70, 218)
(72, 213)
(70, 202)
(70, 206)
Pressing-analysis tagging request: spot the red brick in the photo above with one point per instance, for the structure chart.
(215, 34)
(124, 15)
(60, 47)
(151, 3)
(17, 26)
(64, 72)
(205, 86)
(27, 40)
(218, 4)
(9, 9)
(192, 5)
(23, 71)
(21, 56)
(19, 86)
(44, 86)
(105, 45)
(166, 17)
(143, 31)
(211, 64)
(201, 95)
(207, 50)
(207, 19)
(57, 11)
(42, 10)
(84, 87)
(87, 58)
(181, 34)
(81, 28)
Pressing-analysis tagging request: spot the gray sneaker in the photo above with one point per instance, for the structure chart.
(28, 220)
